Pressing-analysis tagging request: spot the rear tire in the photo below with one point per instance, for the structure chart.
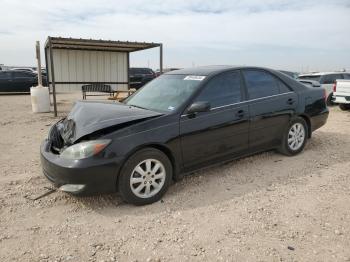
(294, 137)
(145, 177)
(330, 100)
(344, 107)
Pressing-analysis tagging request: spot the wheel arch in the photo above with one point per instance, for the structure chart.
(308, 122)
(164, 149)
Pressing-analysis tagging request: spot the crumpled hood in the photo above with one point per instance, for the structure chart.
(88, 117)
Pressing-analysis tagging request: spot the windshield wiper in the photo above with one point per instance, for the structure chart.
(137, 106)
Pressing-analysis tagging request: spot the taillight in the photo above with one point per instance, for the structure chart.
(335, 86)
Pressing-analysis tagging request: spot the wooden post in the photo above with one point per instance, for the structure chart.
(40, 78)
(53, 79)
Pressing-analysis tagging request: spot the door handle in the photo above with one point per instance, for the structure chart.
(290, 101)
(240, 114)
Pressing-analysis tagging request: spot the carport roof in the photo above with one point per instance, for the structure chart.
(97, 45)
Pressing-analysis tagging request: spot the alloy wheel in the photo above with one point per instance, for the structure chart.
(147, 178)
(296, 136)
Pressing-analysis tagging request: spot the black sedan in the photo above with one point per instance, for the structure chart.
(179, 122)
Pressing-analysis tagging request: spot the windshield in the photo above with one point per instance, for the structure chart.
(310, 77)
(165, 93)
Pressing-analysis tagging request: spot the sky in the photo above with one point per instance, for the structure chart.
(296, 35)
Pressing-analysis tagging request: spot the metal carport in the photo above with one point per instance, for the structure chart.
(71, 62)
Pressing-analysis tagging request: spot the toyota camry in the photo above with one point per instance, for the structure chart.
(180, 122)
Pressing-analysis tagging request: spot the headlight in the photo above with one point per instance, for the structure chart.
(85, 149)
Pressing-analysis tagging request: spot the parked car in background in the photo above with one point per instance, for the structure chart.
(289, 73)
(341, 93)
(327, 80)
(18, 81)
(181, 121)
(138, 76)
(166, 70)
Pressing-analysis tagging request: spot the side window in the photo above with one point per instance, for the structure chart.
(21, 74)
(330, 79)
(283, 88)
(222, 90)
(346, 76)
(4, 75)
(260, 84)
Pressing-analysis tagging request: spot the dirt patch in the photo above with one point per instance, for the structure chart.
(266, 207)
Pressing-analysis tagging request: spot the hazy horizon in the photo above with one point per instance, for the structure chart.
(297, 35)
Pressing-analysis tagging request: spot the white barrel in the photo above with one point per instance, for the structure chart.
(40, 97)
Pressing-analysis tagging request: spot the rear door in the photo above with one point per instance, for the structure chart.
(271, 105)
(223, 131)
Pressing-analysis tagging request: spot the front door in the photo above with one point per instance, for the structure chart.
(221, 132)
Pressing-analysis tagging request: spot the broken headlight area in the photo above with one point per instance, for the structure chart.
(84, 149)
(61, 135)
(56, 141)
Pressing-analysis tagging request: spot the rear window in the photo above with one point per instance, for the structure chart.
(330, 79)
(346, 76)
(20, 74)
(143, 71)
(311, 77)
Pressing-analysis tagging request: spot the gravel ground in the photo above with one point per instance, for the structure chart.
(266, 207)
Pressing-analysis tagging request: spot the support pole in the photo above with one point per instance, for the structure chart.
(53, 78)
(128, 62)
(161, 58)
(38, 58)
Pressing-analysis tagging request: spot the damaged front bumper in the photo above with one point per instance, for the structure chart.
(81, 177)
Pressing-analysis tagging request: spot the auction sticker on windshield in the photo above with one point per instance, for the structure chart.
(197, 78)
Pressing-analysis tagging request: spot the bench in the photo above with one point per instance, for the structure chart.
(96, 88)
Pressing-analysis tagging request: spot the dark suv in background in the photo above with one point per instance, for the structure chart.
(18, 81)
(138, 76)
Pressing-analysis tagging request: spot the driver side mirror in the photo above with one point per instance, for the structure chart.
(199, 107)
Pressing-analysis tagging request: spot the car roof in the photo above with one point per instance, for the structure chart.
(202, 70)
(140, 68)
(21, 71)
(214, 70)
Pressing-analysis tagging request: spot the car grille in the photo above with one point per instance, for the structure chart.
(56, 140)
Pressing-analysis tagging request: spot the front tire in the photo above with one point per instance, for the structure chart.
(294, 137)
(145, 177)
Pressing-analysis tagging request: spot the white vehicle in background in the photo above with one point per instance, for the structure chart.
(327, 80)
(341, 94)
